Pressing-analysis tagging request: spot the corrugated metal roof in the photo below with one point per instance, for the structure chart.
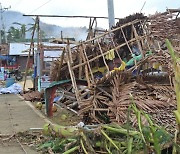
(19, 48)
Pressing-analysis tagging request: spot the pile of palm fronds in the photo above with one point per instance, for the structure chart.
(111, 105)
(118, 36)
(164, 25)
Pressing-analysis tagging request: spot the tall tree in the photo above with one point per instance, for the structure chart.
(14, 34)
(23, 30)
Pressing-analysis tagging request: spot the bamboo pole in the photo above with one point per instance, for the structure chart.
(88, 62)
(31, 46)
(85, 68)
(115, 49)
(146, 33)
(128, 46)
(80, 68)
(105, 53)
(137, 40)
(110, 31)
(60, 65)
(73, 79)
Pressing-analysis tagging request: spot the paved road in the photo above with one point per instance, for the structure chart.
(17, 115)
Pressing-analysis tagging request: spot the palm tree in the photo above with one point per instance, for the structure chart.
(23, 30)
(43, 34)
(13, 34)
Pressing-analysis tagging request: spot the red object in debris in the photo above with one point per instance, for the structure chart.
(11, 66)
(50, 112)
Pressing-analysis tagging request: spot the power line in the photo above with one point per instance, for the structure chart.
(40, 7)
(32, 11)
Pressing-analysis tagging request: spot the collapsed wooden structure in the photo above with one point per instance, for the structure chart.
(128, 59)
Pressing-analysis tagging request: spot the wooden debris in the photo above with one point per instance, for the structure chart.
(106, 98)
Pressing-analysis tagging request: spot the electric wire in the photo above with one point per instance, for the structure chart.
(19, 19)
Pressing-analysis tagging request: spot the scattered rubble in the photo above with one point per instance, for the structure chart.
(33, 96)
(130, 60)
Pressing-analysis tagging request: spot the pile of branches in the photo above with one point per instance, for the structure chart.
(164, 26)
(118, 36)
(112, 106)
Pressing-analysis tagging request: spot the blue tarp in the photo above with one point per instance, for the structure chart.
(5, 58)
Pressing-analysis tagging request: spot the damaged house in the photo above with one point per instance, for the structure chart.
(101, 77)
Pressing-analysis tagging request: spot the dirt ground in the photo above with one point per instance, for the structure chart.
(29, 83)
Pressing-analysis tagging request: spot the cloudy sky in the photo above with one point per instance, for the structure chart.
(122, 8)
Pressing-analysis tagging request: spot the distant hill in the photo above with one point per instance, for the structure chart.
(9, 17)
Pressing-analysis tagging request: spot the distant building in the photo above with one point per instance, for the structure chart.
(19, 52)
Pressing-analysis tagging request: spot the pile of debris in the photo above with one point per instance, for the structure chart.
(131, 58)
(33, 96)
(165, 25)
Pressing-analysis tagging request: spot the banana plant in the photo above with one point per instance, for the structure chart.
(176, 64)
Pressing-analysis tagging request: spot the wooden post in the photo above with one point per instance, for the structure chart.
(31, 46)
(50, 105)
(80, 68)
(88, 62)
(73, 79)
(85, 67)
(60, 65)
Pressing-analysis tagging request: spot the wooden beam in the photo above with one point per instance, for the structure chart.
(61, 16)
(31, 46)
(73, 79)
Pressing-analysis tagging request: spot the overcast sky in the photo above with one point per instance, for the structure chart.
(122, 8)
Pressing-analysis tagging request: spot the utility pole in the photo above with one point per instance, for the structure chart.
(111, 13)
(2, 26)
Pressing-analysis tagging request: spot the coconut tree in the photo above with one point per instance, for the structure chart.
(13, 34)
(43, 34)
(23, 30)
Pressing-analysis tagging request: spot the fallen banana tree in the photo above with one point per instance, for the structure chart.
(108, 138)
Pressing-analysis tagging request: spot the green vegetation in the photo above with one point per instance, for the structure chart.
(109, 138)
(19, 34)
(176, 65)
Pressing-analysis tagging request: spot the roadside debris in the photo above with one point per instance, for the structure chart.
(121, 82)
(131, 58)
(13, 89)
(33, 96)
(106, 138)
